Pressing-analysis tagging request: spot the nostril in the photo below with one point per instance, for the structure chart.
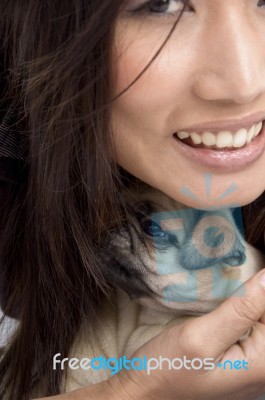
(236, 259)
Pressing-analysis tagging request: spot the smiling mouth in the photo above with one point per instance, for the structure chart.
(223, 140)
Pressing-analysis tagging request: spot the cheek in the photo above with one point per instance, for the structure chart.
(131, 53)
(142, 96)
(162, 83)
(150, 107)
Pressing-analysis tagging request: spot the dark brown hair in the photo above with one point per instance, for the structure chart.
(57, 59)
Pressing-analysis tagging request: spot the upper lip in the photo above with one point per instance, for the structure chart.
(227, 125)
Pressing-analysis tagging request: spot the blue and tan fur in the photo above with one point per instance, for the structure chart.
(162, 261)
(161, 277)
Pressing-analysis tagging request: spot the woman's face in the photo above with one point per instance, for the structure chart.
(188, 125)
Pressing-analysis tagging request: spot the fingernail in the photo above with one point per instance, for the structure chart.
(262, 279)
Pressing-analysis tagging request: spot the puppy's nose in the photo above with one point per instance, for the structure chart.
(192, 259)
(237, 259)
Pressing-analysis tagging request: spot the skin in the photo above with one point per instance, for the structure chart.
(220, 330)
(211, 69)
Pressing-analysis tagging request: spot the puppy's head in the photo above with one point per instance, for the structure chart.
(171, 257)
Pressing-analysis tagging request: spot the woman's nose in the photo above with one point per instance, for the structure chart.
(232, 65)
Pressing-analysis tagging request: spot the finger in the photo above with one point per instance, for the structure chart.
(243, 366)
(213, 333)
(262, 320)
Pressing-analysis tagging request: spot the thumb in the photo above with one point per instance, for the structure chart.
(217, 331)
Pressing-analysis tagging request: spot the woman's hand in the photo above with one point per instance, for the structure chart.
(211, 336)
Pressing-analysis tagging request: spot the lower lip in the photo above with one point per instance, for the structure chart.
(226, 159)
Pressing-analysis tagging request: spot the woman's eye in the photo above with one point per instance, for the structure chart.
(160, 7)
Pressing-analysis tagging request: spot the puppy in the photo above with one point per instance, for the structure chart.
(178, 258)
(168, 264)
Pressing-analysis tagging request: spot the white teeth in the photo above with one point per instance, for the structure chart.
(251, 134)
(240, 138)
(208, 138)
(183, 135)
(196, 138)
(258, 128)
(223, 139)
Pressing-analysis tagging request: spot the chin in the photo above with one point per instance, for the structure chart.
(238, 199)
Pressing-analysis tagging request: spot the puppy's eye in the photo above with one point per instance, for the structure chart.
(151, 228)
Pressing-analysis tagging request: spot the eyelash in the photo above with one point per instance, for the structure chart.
(145, 9)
